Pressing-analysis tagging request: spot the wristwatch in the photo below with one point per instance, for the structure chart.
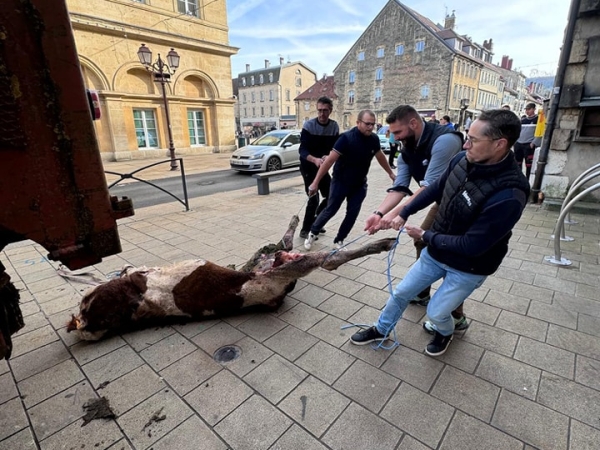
(379, 213)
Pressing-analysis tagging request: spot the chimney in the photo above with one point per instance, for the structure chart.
(267, 64)
(489, 45)
(450, 21)
(281, 60)
(247, 67)
(510, 61)
(504, 63)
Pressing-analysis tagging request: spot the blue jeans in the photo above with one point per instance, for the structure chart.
(455, 288)
(339, 192)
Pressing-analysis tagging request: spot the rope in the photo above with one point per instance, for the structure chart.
(81, 277)
(392, 328)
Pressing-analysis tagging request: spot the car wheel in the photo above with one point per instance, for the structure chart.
(273, 164)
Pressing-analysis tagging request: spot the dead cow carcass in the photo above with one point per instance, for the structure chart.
(197, 289)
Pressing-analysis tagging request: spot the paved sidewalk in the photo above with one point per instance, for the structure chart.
(525, 375)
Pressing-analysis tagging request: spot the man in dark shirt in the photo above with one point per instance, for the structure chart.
(527, 142)
(481, 196)
(316, 141)
(352, 155)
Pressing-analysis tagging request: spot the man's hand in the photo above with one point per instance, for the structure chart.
(415, 232)
(397, 223)
(392, 176)
(312, 189)
(372, 224)
(318, 161)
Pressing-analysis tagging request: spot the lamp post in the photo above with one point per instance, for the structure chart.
(162, 72)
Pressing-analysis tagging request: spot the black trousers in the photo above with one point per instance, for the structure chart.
(524, 152)
(392, 155)
(314, 207)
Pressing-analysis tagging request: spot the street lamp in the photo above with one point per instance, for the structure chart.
(162, 72)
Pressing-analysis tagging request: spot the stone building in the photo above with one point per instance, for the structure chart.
(108, 35)
(266, 96)
(575, 135)
(306, 102)
(514, 93)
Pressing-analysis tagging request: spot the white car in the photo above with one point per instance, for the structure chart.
(273, 151)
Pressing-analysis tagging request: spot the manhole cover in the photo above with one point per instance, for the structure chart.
(227, 354)
(205, 183)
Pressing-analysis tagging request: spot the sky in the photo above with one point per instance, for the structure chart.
(320, 33)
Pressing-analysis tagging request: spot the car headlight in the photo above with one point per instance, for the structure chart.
(258, 156)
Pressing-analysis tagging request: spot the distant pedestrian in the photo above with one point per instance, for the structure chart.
(468, 122)
(393, 148)
(434, 119)
(352, 155)
(527, 142)
(445, 120)
(316, 141)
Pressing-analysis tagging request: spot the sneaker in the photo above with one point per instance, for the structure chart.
(459, 325)
(303, 234)
(322, 230)
(367, 336)
(422, 301)
(340, 246)
(309, 240)
(438, 345)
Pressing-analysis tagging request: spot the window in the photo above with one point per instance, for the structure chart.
(189, 7)
(361, 56)
(271, 95)
(262, 111)
(253, 111)
(292, 139)
(271, 110)
(420, 46)
(590, 123)
(145, 128)
(196, 127)
(455, 92)
(287, 95)
(262, 96)
(244, 97)
(253, 96)
(380, 52)
(252, 80)
(399, 49)
(287, 108)
(298, 72)
(378, 94)
(306, 106)
(424, 91)
(245, 112)
(244, 81)
(261, 79)
(270, 77)
(379, 74)
(351, 76)
(351, 97)
(298, 81)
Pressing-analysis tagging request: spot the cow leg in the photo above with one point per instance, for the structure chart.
(335, 260)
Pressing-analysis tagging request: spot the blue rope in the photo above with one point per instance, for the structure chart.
(392, 329)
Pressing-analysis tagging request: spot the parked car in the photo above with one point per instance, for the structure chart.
(384, 141)
(272, 151)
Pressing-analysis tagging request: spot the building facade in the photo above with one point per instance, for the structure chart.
(108, 34)
(405, 58)
(575, 136)
(266, 96)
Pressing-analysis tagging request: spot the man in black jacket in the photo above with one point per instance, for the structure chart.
(316, 141)
(427, 150)
(481, 197)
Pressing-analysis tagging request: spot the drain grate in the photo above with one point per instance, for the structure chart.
(227, 354)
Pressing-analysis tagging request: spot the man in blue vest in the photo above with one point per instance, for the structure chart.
(481, 196)
(427, 150)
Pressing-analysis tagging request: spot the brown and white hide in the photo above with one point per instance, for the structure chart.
(197, 289)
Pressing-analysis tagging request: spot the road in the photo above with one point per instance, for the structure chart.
(197, 185)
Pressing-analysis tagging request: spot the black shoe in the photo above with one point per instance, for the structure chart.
(392, 166)
(303, 234)
(367, 336)
(322, 230)
(422, 301)
(438, 345)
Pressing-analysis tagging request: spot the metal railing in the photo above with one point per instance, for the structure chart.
(565, 213)
(126, 176)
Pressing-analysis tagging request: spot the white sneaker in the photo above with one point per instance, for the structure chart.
(340, 246)
(308, 242)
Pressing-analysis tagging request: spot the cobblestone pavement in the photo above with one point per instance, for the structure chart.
(525, 375)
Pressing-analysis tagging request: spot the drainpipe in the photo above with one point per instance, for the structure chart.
(565, 54)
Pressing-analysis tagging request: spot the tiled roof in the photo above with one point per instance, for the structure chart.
(323, 87)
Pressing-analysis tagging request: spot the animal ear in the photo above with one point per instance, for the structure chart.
(139, 281)
(72, 324)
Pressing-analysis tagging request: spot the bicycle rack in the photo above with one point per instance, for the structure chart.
(565, 213)
(125, 176)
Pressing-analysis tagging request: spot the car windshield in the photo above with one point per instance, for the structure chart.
(270, 140)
